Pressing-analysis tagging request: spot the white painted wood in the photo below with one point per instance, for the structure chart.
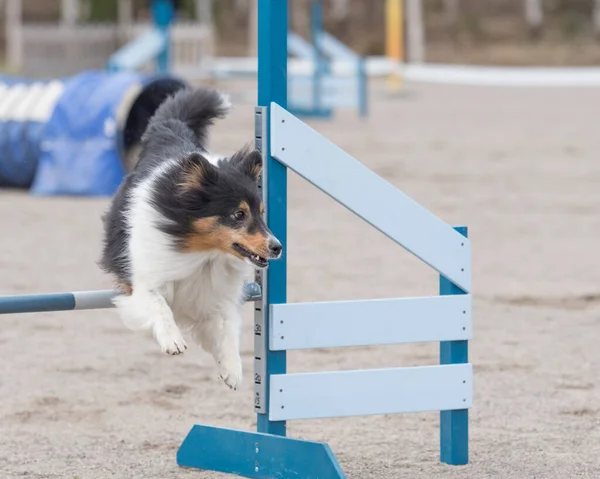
(376, 201)
(14, 34)
(534, 15)
(204, 12)
(253, 29)
(368, 392)
(124, 18)
(415, 30)
(69, 12)
(596, 17)
(370, 322)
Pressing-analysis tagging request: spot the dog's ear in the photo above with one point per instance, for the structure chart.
(197, 171)
(251, 164)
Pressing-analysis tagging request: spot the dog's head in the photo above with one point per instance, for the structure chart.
(225, 208)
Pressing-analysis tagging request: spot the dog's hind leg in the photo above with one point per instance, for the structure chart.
(145, 310)
(219, 335)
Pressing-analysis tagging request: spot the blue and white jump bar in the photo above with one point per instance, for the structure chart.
(78, 300)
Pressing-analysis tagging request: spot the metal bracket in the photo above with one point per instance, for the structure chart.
(260, 319)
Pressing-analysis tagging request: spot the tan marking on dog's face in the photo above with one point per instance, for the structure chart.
(245, 207)
(262, 209)
(258, 243)
(209, 234)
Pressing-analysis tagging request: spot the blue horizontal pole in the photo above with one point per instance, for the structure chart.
(37, 303)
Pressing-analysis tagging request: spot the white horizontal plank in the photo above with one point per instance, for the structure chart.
(370, 322)
(376, 201)
(371, 391)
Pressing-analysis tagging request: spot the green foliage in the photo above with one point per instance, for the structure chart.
(103, 11)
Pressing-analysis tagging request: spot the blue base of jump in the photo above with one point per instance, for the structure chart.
(257, 455)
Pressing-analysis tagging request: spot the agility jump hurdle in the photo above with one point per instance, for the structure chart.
(286, 142)
(318, 93)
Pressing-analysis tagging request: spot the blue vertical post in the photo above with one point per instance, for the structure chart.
(454, 425)
(316, 27)
(162, 15)
(272, 87)
(362, 88)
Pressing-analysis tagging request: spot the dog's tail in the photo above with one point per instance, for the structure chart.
(189, 109)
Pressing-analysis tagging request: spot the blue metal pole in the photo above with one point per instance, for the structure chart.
(272, 87)
(316, 20)
(162, 16)
(454, 425)
(362, 88)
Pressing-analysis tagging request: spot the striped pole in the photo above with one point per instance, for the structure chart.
(79, 300)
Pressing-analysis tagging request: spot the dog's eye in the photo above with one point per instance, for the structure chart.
(239, 215)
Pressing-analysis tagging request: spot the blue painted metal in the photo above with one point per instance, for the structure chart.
(272, 87)
(36, 303)
(335, 49)
(322, 67)
(454, 425)
(135, 54)
(257, 455)
(154, 44)
(363, 89)
(162, 15)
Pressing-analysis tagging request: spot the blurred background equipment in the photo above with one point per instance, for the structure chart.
(76, 135)
(91, 72)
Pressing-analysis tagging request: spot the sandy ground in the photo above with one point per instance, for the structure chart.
(82, 397)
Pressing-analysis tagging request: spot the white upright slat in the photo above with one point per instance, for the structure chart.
(371, 391)
(370, 322)
(376, 201)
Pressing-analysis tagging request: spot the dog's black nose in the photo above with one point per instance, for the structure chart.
(275, 248)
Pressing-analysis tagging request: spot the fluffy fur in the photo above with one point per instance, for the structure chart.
(183, 235)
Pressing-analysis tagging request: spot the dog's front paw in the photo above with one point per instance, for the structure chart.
(230, 371)
(171, 341)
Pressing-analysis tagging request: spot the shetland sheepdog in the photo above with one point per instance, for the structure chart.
(184, 233)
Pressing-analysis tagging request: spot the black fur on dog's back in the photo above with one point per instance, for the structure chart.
(181, 122)
(178, 128)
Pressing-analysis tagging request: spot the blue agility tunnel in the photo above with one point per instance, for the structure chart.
(76, 135)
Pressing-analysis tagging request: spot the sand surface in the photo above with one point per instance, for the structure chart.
(82, 397)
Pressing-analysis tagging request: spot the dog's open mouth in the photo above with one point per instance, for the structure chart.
(254, 258)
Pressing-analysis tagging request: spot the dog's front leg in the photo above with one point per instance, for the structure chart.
(146, 309)
(220, 336)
